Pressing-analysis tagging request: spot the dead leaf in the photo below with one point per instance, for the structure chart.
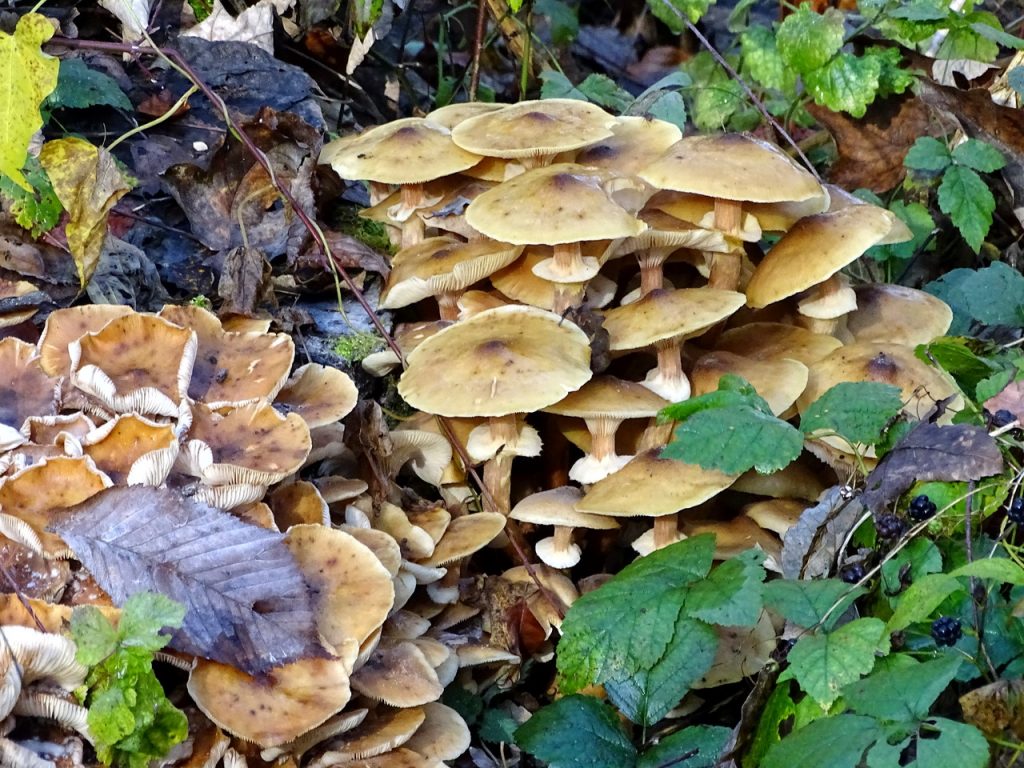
(254, 25)
(809, 548)
(931, 452)
(133, 15)
(88, 183)
(247, 604)
(871, 149)
(244, 281)
(233, 203)
(995, 707)
(1010, 399)
(348, 252)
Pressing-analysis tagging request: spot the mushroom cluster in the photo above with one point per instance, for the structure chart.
(563, 274)
(112, 397)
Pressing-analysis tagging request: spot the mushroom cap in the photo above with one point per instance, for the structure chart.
(665, 230)
(511, 359)
(796, 480)
(556, 204)
(133, 450)
(776, 515)
(466, 535)
(839, 199)
(444, 735)
(650, 486)
(19, 301)
(742, 653)
(697, 211)
(384, 730)
(279, 707)
(427, 453)
(398, 675)
(414, 542)
(232, 367)
(832, 304)
(520, 281)
(442, 264)
(734, 536)
(557, 557)
(611, 398)
(408, 151)
(776, 341)
(451, 115)
(635, 143)
(663, 315)
(557, 507)
(814, 249)
(298, 503)
(534, 128)
(25, 390)
(64, 326)
(897, 315)
(319, 394)
(779, 382)
(731, 166)
(895, 364)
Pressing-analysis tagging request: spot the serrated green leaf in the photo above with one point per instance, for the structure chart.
(962, 42)
(734, 440)
(668, 106)
(37, 209)
(967, 200)
(555, 85)
(991, 296)
(847, 738)
(604, 91)
(823, 664)
(905, 693)
(988, 26)
(807, 40)
(855, 411)
(978, 155)
(928, 154)
(498, 726)
(762, 59)
(79, 87)
(647, 695)
(919, 558)
(805, 603)
(601, 640)
(699, 746)
(921, 10)
(673, 12)
(958, 744)
(847, 83)
(921, 598)
(95, 637)
(562, 17)
(892, 77)
(955, 357)
(577, 732)
(919, 219)
(727, 396)
(999, 569)
(731, 594)
(1015, 79)
(143, 617)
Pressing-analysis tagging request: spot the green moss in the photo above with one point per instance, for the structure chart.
(371, 233)
(201, 301)
(354, 347)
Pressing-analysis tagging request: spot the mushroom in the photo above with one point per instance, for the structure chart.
(776, 341)
(663, 319)
(776, 515)
(407, 153)
(398, 675)
(464, 536)
(733, 169)
(383, 730)
(809, 257)
(557, 507)
(650, 486)
(451, 115)
(64, 326)
(133, 450)
(25, 391)
(604, 403)
(796, 480)
(443, 735)
(779, 382)
(298, 503)
(896, 314)
(507, 360)
(520, 282)
(561, 205)
(320, 395)
(634, 144)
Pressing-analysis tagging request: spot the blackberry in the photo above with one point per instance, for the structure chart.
(946, 630)
(1001, 418)
(852, 573)
(889, 527)
(921, 508)
(1016, 511)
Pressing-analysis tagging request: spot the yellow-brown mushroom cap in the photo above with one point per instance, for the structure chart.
(776, 341)
(320, 395)
(25, 390)
(553, 205)
(408, 151)
(897, 315)
(731, 166)
(816, 248)
(133, 450)
(557, 506)
(67, 325)
(451, 115)
(662, 315)
(635, 142)
(466, 535)
(779, 382)
(511, 359)
(534, 128)
(609, 397)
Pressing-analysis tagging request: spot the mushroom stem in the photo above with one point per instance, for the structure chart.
(726, 269)
(668, 380)
(378, 192)
(729, 216)
(666, 530)
(412, 227)
(567, 296)
(602, 436)
(825, 326)
(563, 538)
(651, 272)
(568, 258)
(498, 469)
(448, 305)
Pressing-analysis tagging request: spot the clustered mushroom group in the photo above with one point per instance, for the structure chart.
(111, 397)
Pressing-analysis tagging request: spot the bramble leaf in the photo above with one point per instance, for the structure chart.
(699, 746)
(858, 411)
(957, 744)
(928, 154)
(921, 599)
(847, 83)
(993, 295)
(731, 593)
(847, 737)
(978, 155)
(807, 40)
(967, 200)
(805, 603)
(904, 693)
(577, 732)
(823, 664)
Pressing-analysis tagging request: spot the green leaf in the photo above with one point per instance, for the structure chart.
(892, 77)
(577, 732)
(602, 90)
(555, 85)
(733, 391)
(991, 296)
(36, 209)
(716, 96)
(958, 744)
(855, 411)
(988, 26)
(956, 358)
(999, 569)
(731, 594)
(808, 40)
(601, 640)
(1015, 78)
(805, 603)
(967, 200)
(144, 615)
(918, 218)
(674, 12)
(847, 83)
(762, 59)
(498, 726)
(778, 711)
(562, 17)
(963, 42)
(921, 599)
(95, 637)
(824, 664)
(919, 558)
(903, 694)
(846, 738)
(647, 695)
(79, 87)
(978, 155)
(699, 746)
(663, 100)
(921, 10)
(928, 154)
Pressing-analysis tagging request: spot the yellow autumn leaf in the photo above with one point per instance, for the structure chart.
(27, 76)
(88, 183)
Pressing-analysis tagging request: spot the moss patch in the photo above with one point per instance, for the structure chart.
(354, 347)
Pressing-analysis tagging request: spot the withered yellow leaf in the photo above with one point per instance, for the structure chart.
(88, 183)
(27, 76)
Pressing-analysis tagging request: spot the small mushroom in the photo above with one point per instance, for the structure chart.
(557, 507)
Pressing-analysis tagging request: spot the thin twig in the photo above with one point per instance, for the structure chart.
(478, 47)
(979, 612)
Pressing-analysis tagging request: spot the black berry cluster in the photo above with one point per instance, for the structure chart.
(889, 527)
(946, 630)
(921, 508)
(1001, 418)
(1016, 510)
(852, 573)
